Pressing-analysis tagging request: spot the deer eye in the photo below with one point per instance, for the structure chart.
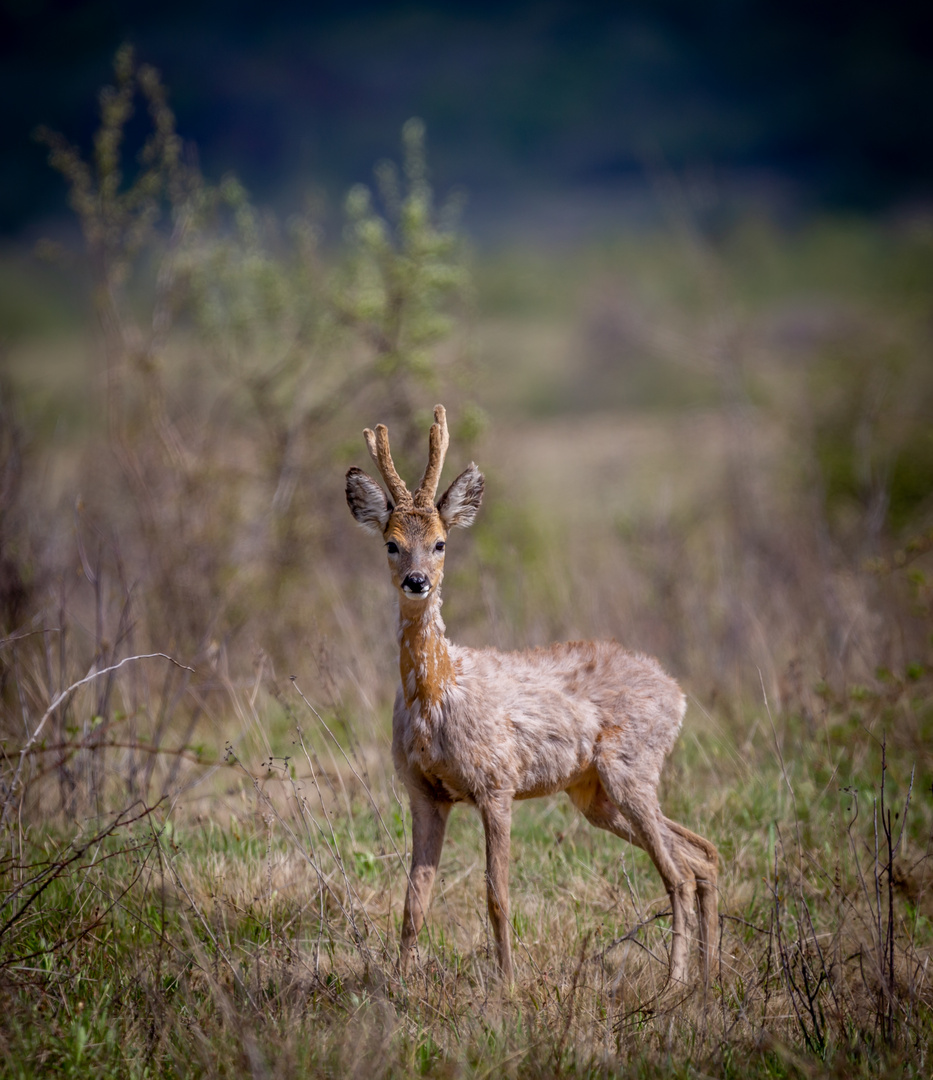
(392, 547)
(440, 545)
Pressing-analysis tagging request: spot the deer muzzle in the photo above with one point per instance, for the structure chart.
(416, 585)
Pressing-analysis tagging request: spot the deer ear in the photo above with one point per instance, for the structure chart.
(367, 501)
(460, 503)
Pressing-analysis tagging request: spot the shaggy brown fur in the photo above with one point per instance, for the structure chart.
(485, 727)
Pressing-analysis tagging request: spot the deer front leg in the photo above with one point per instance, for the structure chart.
(496, 813)
(428, 825)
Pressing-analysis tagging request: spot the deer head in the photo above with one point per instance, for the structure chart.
(413, 528)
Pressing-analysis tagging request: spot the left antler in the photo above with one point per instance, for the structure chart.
(439, 441)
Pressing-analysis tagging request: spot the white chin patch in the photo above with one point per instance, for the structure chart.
(416, 595)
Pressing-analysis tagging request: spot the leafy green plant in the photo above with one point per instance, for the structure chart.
(235, 351)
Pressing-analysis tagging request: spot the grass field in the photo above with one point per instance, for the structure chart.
(711, 441)
(248, 924)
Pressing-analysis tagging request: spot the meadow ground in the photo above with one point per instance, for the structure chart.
(247, 923)
(204, 871)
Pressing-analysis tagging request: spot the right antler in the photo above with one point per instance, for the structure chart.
(378, 444)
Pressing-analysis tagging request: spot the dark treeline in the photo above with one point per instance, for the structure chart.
(515, 95)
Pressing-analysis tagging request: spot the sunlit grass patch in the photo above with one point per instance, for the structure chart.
(269, 934)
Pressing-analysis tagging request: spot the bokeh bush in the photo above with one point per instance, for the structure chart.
(234, 357)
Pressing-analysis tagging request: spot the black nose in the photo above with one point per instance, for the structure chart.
(415, 583)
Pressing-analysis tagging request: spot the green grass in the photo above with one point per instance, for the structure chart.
(260, 936)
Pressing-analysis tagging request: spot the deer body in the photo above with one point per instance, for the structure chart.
(486, 727)
(532, 723)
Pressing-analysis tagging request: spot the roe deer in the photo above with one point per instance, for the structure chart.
(486, 727)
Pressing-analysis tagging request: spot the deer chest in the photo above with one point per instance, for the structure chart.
(448, 749)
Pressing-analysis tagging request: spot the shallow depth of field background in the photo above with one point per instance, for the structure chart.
(671, 273)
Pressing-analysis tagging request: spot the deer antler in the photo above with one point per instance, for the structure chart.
(439, 441)
(378, 444)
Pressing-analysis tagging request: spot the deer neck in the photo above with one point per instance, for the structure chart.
(425, 665)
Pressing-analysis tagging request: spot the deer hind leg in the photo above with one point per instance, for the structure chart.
(704, 860)
(646, 826)
(428, 825)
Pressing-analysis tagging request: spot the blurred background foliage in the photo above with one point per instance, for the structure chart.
(698, 380)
